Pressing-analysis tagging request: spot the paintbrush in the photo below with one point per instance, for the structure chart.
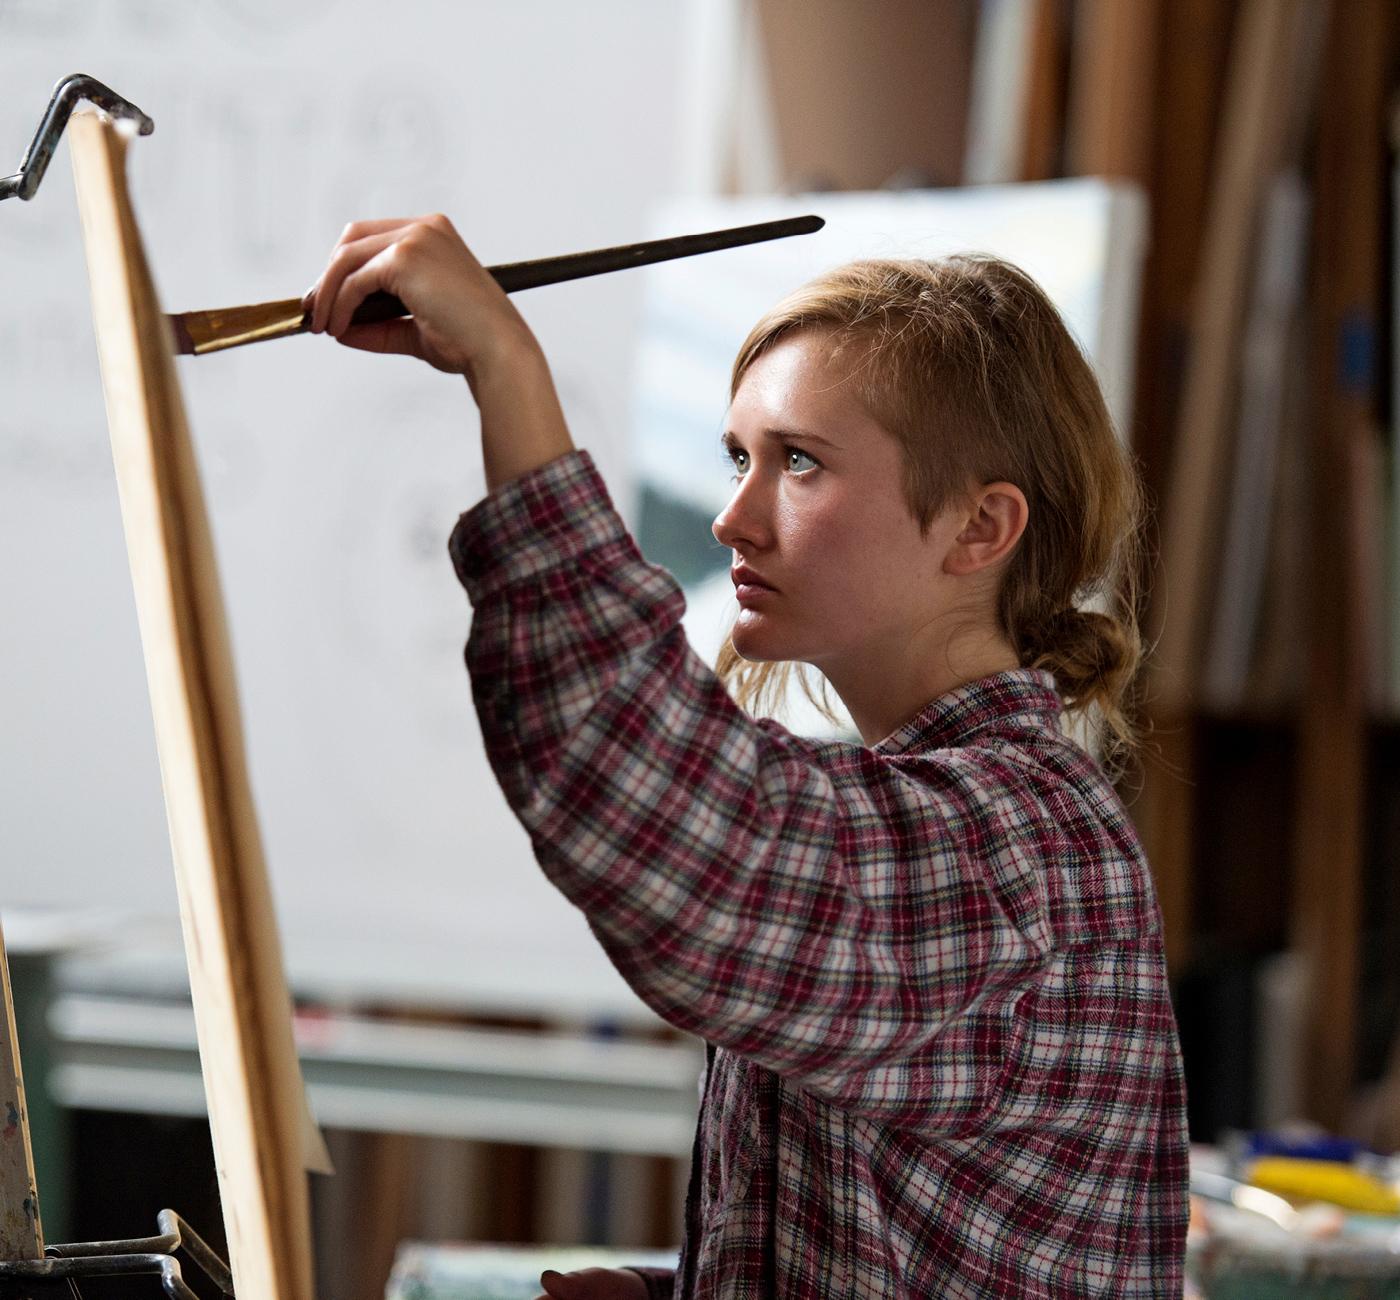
(198, 332)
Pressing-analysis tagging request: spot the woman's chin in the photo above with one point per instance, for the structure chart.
(756, 642)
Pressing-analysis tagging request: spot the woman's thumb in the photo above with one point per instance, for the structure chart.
(564, 1286)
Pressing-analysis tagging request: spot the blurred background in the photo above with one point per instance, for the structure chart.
(1207, 189)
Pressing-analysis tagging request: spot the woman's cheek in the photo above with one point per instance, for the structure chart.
(814, 525)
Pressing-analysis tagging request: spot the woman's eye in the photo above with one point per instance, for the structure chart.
(739, 459)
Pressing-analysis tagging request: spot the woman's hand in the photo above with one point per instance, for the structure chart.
(593, 1284)
(462, 321)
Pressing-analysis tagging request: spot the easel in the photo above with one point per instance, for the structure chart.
(31, 1271)
(28, 1269)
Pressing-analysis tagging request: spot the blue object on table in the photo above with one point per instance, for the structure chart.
(1300, 1148)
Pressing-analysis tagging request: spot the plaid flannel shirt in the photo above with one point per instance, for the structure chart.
(942, 1057)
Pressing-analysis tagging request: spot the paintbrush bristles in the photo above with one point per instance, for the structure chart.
(230, 327)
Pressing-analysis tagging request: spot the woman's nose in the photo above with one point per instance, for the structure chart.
(743, 521)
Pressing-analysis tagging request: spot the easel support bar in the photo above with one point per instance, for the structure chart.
(67, 1264)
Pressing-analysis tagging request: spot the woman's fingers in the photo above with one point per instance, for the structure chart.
(459, 319)
(358, 284)
(592, 1284)
(384, 336)
(345, 261)
(358, 241)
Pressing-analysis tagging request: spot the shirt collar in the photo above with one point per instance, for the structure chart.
(953, 718)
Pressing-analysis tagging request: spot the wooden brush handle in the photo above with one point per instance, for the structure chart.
(377, 307)
(514, 276)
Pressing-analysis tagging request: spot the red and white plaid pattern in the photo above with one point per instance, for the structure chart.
(943, 1059)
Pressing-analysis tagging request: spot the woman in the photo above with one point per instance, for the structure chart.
(928, 967)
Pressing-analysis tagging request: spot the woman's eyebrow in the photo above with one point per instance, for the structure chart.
(782, 435)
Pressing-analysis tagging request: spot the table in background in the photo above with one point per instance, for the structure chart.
(452, 1272)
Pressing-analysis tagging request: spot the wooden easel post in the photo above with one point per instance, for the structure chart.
(264, 1139)
(21, 1237)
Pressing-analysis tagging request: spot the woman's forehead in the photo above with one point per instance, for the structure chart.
(804, 380)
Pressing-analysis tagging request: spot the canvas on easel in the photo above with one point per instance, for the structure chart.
(263, 1138)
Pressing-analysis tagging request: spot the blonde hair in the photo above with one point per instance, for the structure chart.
(967, 364)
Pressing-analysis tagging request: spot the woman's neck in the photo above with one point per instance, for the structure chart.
(883, 691)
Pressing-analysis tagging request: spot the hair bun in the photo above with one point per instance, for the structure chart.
(1091, 654)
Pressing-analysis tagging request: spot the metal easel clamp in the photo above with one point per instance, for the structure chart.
(64, 1265)
(66, 96)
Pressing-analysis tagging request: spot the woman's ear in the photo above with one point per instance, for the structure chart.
(993, 521)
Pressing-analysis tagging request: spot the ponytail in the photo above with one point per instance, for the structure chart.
(1094, 658)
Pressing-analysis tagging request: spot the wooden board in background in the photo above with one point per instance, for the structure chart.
(1346, 290)
(1262, 84)
(1114, 92)
(862, 93)
(257, 1106)
(1046, 93)
(1190, 75)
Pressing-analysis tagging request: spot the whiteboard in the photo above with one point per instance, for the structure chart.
(333, 478)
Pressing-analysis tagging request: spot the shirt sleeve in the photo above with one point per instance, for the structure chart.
(817, 907)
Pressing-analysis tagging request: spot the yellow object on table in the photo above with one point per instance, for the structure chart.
(1324, 1180)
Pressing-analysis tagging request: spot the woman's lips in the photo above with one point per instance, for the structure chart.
(748, 586)
(743, 576)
